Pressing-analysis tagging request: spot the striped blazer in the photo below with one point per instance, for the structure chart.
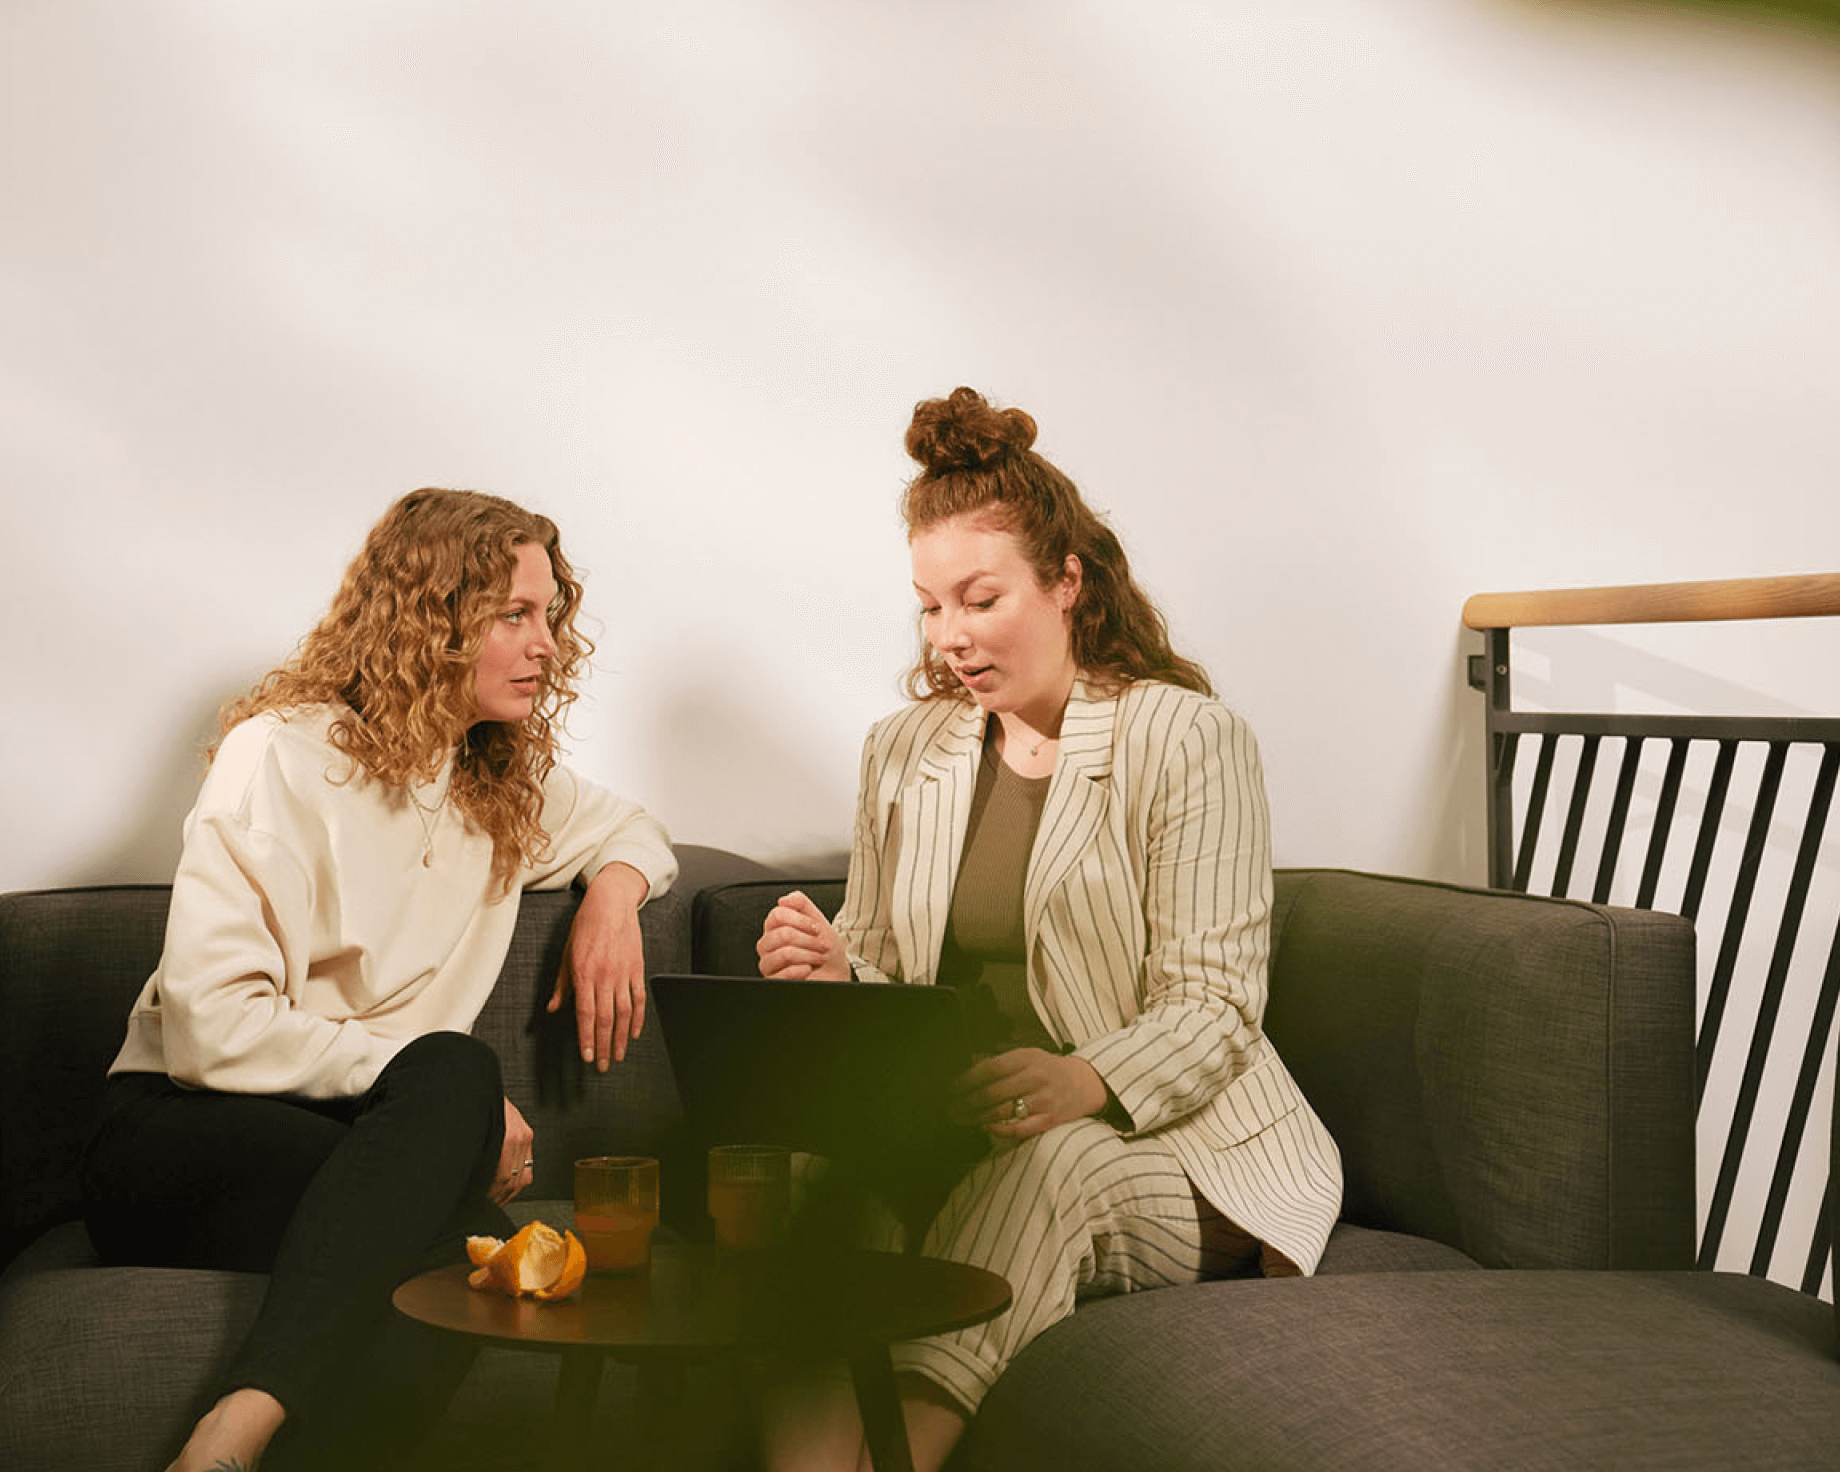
(1146, 913)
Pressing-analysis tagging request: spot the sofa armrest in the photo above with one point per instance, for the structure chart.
(72, 962)
(1508, 1074)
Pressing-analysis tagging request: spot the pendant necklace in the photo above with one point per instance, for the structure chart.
(427, 817)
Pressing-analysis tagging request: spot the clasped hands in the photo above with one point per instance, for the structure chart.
(1011, 1096)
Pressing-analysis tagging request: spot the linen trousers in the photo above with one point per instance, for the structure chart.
(1075, 1212)
(338, 1201)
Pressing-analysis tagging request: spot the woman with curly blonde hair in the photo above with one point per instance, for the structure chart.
(299, 1094)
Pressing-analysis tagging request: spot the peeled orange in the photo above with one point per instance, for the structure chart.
(574, 1269)
(537, 1260)
(479, 1250)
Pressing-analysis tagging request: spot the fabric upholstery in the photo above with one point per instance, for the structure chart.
(1480, 1057)
(1509, 1075)
(1355, 1249)
(54, 1055)
(575, 1111)
(106, 1367)
(1405, 1372)
(99, 1365)
(71, 963)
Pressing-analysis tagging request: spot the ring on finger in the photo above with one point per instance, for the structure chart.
(1019, 1108)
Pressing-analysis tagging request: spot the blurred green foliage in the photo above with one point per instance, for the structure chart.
(1805, 15)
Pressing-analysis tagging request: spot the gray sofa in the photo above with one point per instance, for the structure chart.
(1509, 1079)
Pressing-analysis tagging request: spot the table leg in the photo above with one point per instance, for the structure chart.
(884, 1427)
(578, 1384)
(660, 1394)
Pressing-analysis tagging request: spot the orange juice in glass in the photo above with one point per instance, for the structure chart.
(750, 1193)
(616, 1208)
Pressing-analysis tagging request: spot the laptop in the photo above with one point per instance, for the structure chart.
(850, 1070)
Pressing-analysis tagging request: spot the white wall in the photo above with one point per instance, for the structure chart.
(1344, 311)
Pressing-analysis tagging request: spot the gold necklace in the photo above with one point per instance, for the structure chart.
(427, 817)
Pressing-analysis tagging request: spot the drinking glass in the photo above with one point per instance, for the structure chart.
(616, 1208)
(750, 1194)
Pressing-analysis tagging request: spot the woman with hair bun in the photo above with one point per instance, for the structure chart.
(1067, 827)
(299, 1093)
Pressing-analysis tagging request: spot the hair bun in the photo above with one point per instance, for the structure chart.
(965, 431)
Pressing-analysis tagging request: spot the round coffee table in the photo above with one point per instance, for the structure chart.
(698, 1302)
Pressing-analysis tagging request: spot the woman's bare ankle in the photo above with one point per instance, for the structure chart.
(233, 1434)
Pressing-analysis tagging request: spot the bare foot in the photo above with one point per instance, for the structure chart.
(233, 1434)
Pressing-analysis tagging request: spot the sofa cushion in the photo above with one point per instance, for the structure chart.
(106, 1370)
(1400, 1372)
(1353, 1249)
(98, 1365)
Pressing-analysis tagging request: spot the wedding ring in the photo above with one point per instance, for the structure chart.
(530, 1165)
(1020, 1109)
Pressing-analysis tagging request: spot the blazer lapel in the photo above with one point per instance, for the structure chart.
(933, 811)
(1079, 798)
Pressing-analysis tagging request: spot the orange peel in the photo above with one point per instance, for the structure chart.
(537, 1260)
(479, 1250)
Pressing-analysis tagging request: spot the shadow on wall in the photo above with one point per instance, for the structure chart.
(750, 783)
(148, 835)
(744, 774)
(1453, 844)
(1572, 670)
(1582, 669)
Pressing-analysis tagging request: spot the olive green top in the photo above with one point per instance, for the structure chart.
(985, 950)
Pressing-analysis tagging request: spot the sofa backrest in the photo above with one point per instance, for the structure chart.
(73, 960)
(1508, 1074)
(574, 1110)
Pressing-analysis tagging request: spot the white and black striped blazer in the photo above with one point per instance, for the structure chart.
(1147, 917)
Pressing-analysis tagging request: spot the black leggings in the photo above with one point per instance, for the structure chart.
(337, 1200)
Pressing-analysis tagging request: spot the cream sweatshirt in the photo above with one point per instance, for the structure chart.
(308, 941)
